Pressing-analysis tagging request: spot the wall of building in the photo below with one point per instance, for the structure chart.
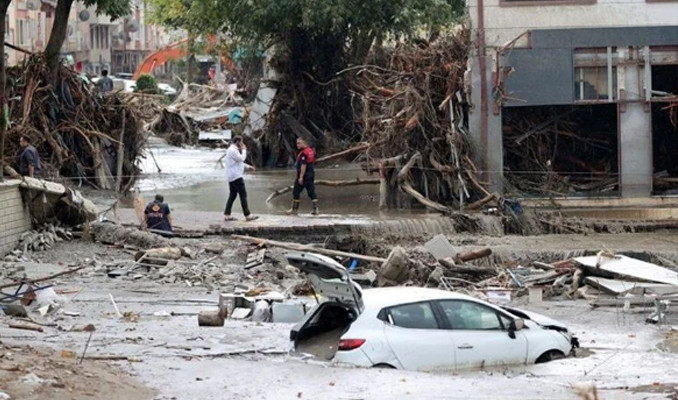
(536, 66)
(14, 218)
(506, 20)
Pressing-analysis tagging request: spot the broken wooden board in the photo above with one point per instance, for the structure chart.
(618, 287)
(255, 258)
(629, 267)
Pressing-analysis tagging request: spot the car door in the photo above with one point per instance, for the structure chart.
(414, 335)
(480, 335)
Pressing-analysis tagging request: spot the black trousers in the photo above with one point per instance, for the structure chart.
(235, 189)
(309, 185)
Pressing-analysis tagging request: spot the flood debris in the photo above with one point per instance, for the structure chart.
(199, 111)
(75, 130)
(561, 150)
(28, 326)
(302, 247)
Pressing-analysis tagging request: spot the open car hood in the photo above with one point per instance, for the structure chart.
(540, 319)
(329, 278)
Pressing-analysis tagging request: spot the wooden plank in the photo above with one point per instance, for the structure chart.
(629, 267)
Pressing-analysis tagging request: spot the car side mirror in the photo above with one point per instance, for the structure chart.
(516, 325)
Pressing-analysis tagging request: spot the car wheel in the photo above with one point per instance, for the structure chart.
(550, 356)
(383, 365)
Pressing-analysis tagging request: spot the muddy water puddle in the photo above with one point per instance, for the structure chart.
(193, 179)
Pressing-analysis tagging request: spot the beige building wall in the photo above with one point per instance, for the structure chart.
(14, 218)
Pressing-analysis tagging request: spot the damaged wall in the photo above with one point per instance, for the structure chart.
(14, 218)
(546, 55)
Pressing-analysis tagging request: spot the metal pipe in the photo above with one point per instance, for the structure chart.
(609, 75)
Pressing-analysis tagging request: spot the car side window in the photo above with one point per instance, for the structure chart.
(469, 315)
(415, 316)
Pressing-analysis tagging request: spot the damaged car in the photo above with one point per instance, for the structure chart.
(417, 328)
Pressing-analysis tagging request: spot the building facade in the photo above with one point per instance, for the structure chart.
(576, 99)
(27, 25)
(93, 42)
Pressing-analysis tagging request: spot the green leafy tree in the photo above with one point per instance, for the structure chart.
(147, 84)
(112, 8)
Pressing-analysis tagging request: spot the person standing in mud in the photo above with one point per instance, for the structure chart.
(29, 160)
(305, 177)
(235, 168)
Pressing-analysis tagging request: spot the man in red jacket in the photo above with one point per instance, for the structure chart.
(304, 178)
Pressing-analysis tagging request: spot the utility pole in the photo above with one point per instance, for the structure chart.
(217, 72)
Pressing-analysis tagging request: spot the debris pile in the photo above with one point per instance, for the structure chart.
(412, 114)
(200, 113)
(561, 151)
(76, 131)
(42, 239)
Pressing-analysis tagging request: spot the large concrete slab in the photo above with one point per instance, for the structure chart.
(630, 267)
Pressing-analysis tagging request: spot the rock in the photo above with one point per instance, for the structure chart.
(5, 396)
(188, 252)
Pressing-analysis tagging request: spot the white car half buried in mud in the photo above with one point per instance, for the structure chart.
(417, 328)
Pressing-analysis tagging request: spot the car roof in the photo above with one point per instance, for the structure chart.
(385, 297)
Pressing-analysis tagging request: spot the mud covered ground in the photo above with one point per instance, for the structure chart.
(172, 358)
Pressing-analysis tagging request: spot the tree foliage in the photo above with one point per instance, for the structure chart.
(112, 8)
(312, 40)
(147, 84)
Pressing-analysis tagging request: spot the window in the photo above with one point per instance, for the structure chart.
(415, 316)
(22, 31)
(473, 316)
(595, 74)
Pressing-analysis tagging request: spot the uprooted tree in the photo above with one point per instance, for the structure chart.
(385, 75)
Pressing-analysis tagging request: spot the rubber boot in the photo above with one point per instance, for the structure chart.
(314, 211)
(295, 208)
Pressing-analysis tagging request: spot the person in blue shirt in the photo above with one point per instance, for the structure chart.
(157, 216)
(29, 160)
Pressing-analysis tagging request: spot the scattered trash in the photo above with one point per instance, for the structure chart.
(67, 354)
(162, 313)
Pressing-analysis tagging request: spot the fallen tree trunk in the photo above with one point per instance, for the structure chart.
(351, 182)
(304, 247)
(109, 233)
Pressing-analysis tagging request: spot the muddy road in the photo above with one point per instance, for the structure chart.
(173, 358)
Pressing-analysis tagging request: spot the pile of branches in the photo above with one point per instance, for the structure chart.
(412, 111)
(181, 122)
(75, 129)
(560, 150)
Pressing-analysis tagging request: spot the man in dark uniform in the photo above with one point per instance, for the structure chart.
(304, 178)
(29, 160)
(157, 216)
